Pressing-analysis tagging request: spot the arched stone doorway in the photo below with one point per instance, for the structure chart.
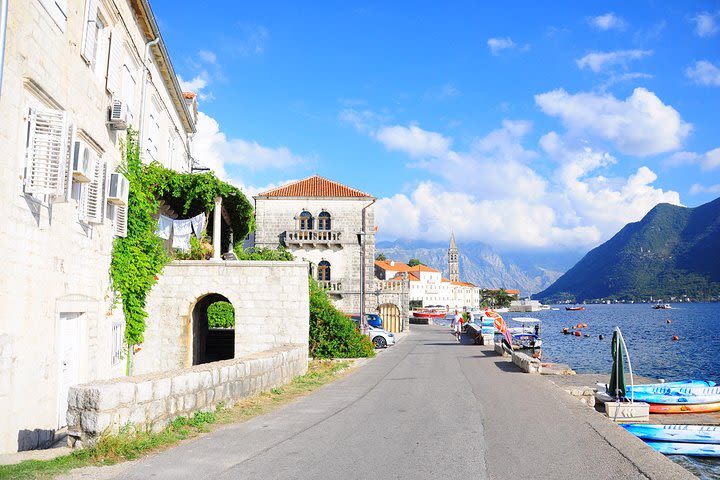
(210, 344)
(390, 314)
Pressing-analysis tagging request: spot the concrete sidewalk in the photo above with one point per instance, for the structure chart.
(426, 408)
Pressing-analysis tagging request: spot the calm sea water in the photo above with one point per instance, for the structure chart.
(649, 339)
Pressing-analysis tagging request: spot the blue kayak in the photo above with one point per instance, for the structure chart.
(676, 433)
(689, 449)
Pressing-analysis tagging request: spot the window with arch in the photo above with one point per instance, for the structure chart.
(306, 221)
(324, 221)
(323, 270)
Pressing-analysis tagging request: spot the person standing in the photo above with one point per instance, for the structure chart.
(457, 325)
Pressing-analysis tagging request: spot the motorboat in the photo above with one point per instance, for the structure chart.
(664, 306)
(527, 334)
(430, 312)
(574, 309)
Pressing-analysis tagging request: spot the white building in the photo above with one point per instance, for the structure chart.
(75, 74)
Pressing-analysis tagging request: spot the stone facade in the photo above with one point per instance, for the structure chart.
(54, 285)
(278, 217)
(271, 302)
(153, 401)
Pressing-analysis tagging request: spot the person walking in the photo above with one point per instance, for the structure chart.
(457, 325)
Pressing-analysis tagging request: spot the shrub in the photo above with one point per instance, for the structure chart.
(255, 253)
(221, 315)
(332, 333)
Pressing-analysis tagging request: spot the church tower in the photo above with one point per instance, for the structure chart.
(453, 263)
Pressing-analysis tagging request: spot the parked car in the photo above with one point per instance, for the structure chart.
(373, 319)
(380, 337)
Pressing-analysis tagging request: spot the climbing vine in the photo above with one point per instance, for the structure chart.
(138, 259)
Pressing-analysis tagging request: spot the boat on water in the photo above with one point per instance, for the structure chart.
(527, 334)
(430, 312)
(574, 309)
(689, 449)
(664, 306)
(675, 433)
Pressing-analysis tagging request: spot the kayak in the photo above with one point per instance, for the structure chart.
(683, 396)
(685, 408)
(675, 433)
(690, 449)
(672, 385)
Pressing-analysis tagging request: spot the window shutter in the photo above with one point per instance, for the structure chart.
(94, 205)
(90, 31)
(46, 153)
(114, 62)
(65, 196)
(120, 223)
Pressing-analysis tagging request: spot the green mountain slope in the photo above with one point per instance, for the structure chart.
(672, 252)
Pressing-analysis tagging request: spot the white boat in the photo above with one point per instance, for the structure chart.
(527, 335)
(664, 306)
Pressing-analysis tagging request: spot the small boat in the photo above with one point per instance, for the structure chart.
(689, 449)
(430, 312)
(527, 335)
(684, 408)
(684, 396)
(574, 309)
(675, 433)
(672, 385)
(525, 340)
(664, 306)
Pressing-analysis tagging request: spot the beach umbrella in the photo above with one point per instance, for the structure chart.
(616, 387)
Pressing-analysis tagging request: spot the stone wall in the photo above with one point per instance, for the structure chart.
(271, 302)
(153, 401)
(526, 363)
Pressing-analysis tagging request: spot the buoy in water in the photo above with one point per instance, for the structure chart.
(668, 321)
(577, 334)
(601, 337)
(587, 334)
(565, 331)
(676, 338)
(584, 325)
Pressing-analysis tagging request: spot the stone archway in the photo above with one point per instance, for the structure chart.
(210, 344)
(390, 314)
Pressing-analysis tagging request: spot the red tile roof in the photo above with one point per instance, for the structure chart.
(397, 266)
(315, 186)
(423, 268)
(189, 95)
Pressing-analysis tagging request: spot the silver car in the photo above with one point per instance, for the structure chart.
(380, 337)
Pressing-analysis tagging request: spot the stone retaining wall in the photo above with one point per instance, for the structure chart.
(152, 401)
(526, 363)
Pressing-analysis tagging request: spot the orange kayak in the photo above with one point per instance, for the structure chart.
(683, 408)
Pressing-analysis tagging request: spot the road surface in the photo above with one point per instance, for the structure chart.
(425, 408)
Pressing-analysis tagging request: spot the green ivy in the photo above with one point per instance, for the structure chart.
(254, 253)
(138, 259)
(221, 315)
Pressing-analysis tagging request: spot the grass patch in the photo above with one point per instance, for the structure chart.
(130, 443)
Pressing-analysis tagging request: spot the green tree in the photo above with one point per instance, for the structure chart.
(221, 315)
(414, 262)
(381, 257)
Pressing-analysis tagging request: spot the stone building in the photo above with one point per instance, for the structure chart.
(75, 74)
(322, 222)
(453, 260)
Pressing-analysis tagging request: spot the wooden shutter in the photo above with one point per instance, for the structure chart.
(90, 31)
(70, 151)
(120, 222)
(115, 62)
(46, 154)
(94, 202)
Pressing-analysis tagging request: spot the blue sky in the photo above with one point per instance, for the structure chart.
(526, 125)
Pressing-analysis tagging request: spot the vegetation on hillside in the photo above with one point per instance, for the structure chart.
(671, 252)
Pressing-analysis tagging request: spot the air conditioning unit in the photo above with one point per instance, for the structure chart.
(118, 115)
(83, 163)
(118, 188)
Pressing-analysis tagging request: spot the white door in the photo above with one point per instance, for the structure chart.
(69, 360)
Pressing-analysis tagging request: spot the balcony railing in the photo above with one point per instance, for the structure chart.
(314, 237)
(331, 286)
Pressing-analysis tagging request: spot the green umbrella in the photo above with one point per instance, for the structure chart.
(616, 387)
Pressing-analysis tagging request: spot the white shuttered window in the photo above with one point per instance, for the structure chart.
(120, 220)
(95, 197)
(90, 32)
(49, 133)
(115, 62)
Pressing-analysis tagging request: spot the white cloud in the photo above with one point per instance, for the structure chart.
(707, 161)
(363, 120)
(497, 45)
(207, 56)
(639, 125)
(706, 24)
(196, 84)
(413, 140)
(608, 21)
(704, 73)
(600, 61)
(211, 148)
(697, 188)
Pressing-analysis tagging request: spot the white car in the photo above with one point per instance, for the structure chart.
(381, 338)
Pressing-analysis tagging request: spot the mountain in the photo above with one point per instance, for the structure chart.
(481, 265)
(672, 252)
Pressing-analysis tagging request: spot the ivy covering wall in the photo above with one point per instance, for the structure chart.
(138, 259)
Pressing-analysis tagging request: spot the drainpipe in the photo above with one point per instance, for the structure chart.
(362, 268)
(143, 93)
(3, 30)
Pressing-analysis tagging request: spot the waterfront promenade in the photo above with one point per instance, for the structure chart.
(426, 408)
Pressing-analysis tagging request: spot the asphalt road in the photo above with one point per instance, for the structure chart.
(425, 408)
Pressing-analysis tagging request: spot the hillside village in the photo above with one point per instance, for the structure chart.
(122, 242)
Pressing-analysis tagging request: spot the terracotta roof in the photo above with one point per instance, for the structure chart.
(398, 266)
(189, 95)
(315, 186)
(423, 268)
(507, 290)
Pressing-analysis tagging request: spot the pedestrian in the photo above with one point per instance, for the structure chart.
(457, 325)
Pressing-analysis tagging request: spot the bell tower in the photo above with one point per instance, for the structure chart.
(453, 261)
